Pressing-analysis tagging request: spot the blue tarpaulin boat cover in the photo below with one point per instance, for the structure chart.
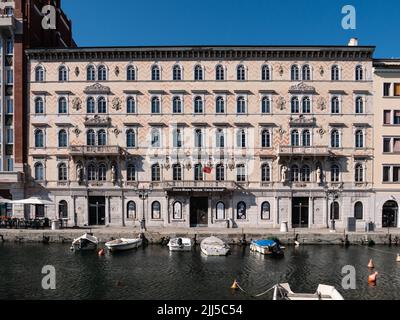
(265, 243)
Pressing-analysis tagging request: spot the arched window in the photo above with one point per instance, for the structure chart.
(63, 209)
(91, 176)
(335, 139)
(359, 73)
(91, 137)
(220, 105)
(198, 73)
(335, 211)
(266, 105)
(155, 138)
(358, 210)
(295, 73)
(155, 172)
(155, 105)
(176, 73)
(130, 105)
(198, 105)
(241, 211)
(39, 138)
(306, 105)
(102, 172)
(62, 139)
(62, 74)
(359, 173)
(295, 108)
(335, 73)
(198, 138)
(241, 73)
(265, 139)
(62, 172)
(306, 73)
(101, 137)
(220, 172)
(241, 139)
(177, 138)
(265, 173)
(335, 105)
(39, 172)
(131, 172)
(155, 73)
(265, 211)
(177, 212)
(131, 138)
(265, 73)
(359, 137)
(306, 138)
(130, 73)
(177, 172)
(335, 173)
(241, 105)
(101, 105)
(220, 211)
(241, 173)
(156, 210)
(359, 105)
(176, 105)
(39, 105)
(39, 74)
(305, 173)
(62, 105)
(198, 172)
(90, 105)
(131, 210)
(294, 138)
(90, 73)
(295, 173)
(220, 138)
(102, 73)
(219, 73)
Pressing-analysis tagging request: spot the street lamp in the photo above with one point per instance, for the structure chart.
(333, 195)
(144, 194)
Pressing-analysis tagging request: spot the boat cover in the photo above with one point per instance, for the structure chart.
(264, 243)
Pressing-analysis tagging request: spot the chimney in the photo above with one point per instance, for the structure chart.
(353, 42)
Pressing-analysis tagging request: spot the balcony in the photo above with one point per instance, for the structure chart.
(315, 151)
(93, 151)
(199, 186)
(11, 177)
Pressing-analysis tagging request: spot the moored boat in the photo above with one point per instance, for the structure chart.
(267, 247)
(180, 244)
(283, 291)
(213, 246)
(123, 244)
(85, 242)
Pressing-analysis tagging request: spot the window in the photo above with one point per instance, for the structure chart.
(130, 73)
(265, 73)
(90, 73)
(335, 173)
(359, 105)
(305, 173)
(90, 105)
(358, 210)
(177, 172)
(220, 105)
(63, 209)
(62, 106)
(335, 139)
(39, 138)
(240, 173)
(396, 117)
(155, 105)
(335, 212)
(306, 73)
(198, 172)
(335, 73)
(387, 144)
(177, 212)
(265, 211)
(62, 172)
(241, 105)
(39, 74)
(306, 138)
(62, 139)
(359, 137)
(396, 91)
(335, 105)
(265, 139)
(359, 73)
(102, 73)
(39, 176)
(359, 173)
(155, 172)
(241, 73)
(131, 210)
(131, 172)
(39, 106)
(241, 211)
(294, 72)
(102, 172)
(241, 139)
(9, 135)
(9, 76)
(198, 105)
(39, 211)
(91, 138)
(265, 173)
(156, 210)
(155, 73)
(176, 105)
(266, 105)
(101, 105)
(91, 172)
(176, 73)
(198, 73)
(198, 138)
(131, 138)
(130, 105)
(295, 173)
(306, 105)
(9, 105)
(294, 138)
(177, 138)
(155, 138)
(62, 74)
(101, 137)
(220, 211)
(219, 73)
(396, 145)
(220, 172)
(386, 89)
(391, 174)
(295, 105)
(10, 46)
(220, 138)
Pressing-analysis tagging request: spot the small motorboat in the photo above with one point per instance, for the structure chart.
(213, 246)
(180, 244)
(266, 247)
(282, 291)
(85, 242)
(123, 244)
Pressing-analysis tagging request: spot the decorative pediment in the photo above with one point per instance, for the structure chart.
(97, 88)
(302, 121)
(302, 88)
(97, 121)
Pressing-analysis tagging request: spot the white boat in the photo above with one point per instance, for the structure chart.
(180, 244)
(85, 242)
(282, 291)
(123, 244)
(213, 246)
(267, 247)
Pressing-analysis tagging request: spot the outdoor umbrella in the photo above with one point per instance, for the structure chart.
(33, 200)
(3, 200)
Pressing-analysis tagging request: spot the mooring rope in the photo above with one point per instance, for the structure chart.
(254, 295)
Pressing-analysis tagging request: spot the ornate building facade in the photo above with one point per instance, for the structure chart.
(203, 136)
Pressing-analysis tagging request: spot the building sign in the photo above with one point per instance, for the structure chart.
(198, 189)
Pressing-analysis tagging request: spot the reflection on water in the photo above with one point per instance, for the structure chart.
(155, 273)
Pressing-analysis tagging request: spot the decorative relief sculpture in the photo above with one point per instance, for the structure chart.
(319, 175)
(116, 71)
(77, 71)
(302, 87)
(113, 173)
(284, 173)
(321, 71)
(97, 88)
(280, 70)
(97, 121)
(321, 103)
(321, 132)
(77, 131)
(281, 102)
(117, 132)
(76, 104)
(116, 103)
(79, 173)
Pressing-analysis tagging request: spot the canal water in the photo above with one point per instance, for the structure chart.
(153, 272)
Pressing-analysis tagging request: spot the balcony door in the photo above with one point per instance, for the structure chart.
(198, 212)
(97, 211)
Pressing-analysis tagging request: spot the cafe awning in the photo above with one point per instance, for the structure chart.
(33, 200)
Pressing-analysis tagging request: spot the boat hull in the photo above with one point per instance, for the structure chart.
(124, 245)
(266, 250)
(183, 245)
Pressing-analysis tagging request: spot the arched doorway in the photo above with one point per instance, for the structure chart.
(389, 214)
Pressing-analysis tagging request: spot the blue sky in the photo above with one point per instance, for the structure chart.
(233, 22)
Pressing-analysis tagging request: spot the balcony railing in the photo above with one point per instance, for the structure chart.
(320, 151)
(230, 185)
(95, 150)
(11, 177)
